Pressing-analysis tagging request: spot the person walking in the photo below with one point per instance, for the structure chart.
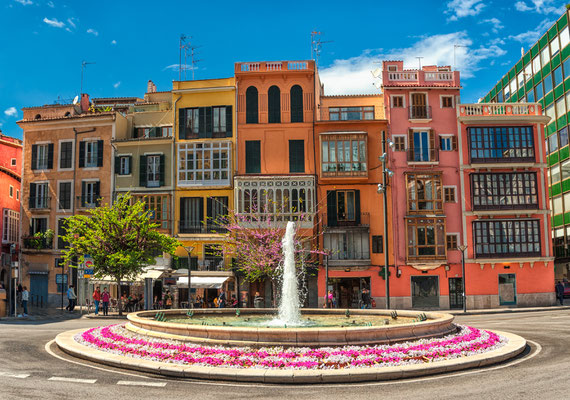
(105, 297)
(560, 292)
(222, 299)
(71, 298)
(25, 297)
(97, 299)
(168, 300)
(365, 299)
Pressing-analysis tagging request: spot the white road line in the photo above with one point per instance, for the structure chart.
(13, 375)
(142, 383)
(74, 380)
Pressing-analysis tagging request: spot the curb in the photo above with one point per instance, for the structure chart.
(507, 310)
(514, 347)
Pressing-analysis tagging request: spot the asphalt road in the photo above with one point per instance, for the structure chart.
(28, 371)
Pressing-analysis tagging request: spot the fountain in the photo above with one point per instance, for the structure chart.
(289, 310)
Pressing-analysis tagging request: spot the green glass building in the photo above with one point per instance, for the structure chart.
(543, 75)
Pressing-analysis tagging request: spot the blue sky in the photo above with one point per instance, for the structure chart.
(43, 42)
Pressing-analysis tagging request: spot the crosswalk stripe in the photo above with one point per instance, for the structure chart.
(75, 380)
(13, 375)
(142, 383)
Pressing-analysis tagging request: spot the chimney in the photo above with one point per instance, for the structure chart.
(84, 102)
(150, 87)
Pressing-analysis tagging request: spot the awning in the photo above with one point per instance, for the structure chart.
(202, 282)
(150, 273)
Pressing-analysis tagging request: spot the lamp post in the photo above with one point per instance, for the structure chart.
(462, 248)
(326, 281)
(189, 250)
(383, 189)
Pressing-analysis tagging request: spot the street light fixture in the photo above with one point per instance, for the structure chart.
(383, 189)
(189, 250)
(462, 248)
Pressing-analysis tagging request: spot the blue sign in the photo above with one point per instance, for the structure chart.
(88, 272)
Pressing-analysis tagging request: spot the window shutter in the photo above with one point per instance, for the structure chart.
(440, 142)
(229, 124)
(209, 122)
(202, 122)
(252, 157)
(357, 206)
(331, 208)
(34, 156)
(454, 143)
(182, 123)
(296, 156)
(81, 154)
(32, 195)
(83, 192)
(183, 220)
(50, 156)
(117, 165)
(410, 139)
(201, 210)
(99, 153)
(130, 165)
(162, 169)
(432, 140)
(209, 215)
(142, 171)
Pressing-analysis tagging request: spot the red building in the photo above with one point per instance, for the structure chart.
(10, 178)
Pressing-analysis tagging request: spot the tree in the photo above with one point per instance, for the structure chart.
(120, 239)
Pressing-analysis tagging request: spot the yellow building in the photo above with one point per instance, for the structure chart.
(205, 133)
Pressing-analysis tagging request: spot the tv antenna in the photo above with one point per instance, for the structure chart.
(83, 65)
(186, 47)
(419, 63)
(455, 47)
(316, 46)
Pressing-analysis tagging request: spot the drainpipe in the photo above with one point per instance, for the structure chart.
(173, 176)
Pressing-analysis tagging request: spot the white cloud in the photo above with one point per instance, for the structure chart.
(177, 67)
(113, 42)
(93, 32)
(116, 85)
(71, 22)
(50, 4)
(24, 2)
(11, 112)
(539, 6)
(352, 76)
(496, 24)
(532, 36)
(463, 8)
(54, 22)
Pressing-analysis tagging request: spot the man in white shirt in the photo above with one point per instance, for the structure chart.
(25, 298)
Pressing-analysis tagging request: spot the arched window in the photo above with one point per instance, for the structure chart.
(251, 105)
(274, 106)
(68, 114)
(38, 116)
(296, 104)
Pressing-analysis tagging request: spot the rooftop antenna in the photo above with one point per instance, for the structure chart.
(455, 47)
(83, 65)
(419, 63)
(182, 47)
(194, 60)
(316, 46)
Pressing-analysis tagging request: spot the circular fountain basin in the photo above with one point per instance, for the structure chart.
(325, 327)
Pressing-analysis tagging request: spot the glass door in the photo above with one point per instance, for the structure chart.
(507, 289)
(455, 293)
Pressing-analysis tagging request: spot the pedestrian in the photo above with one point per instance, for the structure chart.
(25, 297)
(560, 292)
(365, 298)
(97, 299)
(71, 298)
(257, 300)
(222, 299)
(330, 299)
(168, 300)
(105, 299)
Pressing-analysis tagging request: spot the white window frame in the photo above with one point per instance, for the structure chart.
(90, 182)
(72, 141)
(450, 137)
(456, 234)
(11, 192)
(392, 68)
(127, 164)
(42, 145)
(153, 170)
(34, 217)
(45, 195)
(13, 162)
(59, 195)
(11, 227)
(454, 187)
(398, 95)
(169, 129)
(93, 153)
(190, 175)
(441, 96)
(17, 194)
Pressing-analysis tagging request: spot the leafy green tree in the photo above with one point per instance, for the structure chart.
(120, 239)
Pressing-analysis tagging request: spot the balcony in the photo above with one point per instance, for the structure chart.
(419, 112)
(37, 243)
(349, 248)
(361, 220)
(494, 109)
(273, 66)
(39, 203)
(420, 78)
(88, 202)
(423, 155)
(199, 227)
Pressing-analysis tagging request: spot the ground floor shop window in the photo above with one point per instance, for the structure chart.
(425, 291)
(507, 289)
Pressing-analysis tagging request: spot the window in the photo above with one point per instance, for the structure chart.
(520, 79)
(397, 101)
(507, 92)
(206, 163)
(563, 136)
(38, 225)
(91, 153)
(377, 244)
(191, 214)
(296, 156)
(205, 122)
(66, 155)
(123, 165)
(343, 208)
(159, 207)
(555, 174)
(343, 155)
(421, 146)
(424, 192)
(554, 47)
(426, 238)
(451, 241)
(252, 157)
(166, 131)
(64, 196)
(42, 156)
(419, 108)
(495, 191)
(61, 281)
(296, 93)
(539, 91)
(13, 162)
(348, 245)
(39, 195)
(506, 238)
(530, 96)
(217, 213)
(547, 82)
(447, 143)
(564, 38)
(274, 105)
(527, 72)
(189, 123)
(213, 257)
(219, 121)
(251, 105)
(545, 56)
(351, 113)
(153, 170)
(11, 226)
(446, 101)
(61, 231)
(557, 76)
(513, 86)
(11, 191)
(399, 143)
(449, 194)
(560, 107)
(557, 205)
(565, 169)
(345, 205)
(89, 194)
(551, 112)
(536, 65)
(501, 144)
(17, 194)
(553, 143)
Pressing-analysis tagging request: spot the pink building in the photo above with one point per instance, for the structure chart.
(426, 213)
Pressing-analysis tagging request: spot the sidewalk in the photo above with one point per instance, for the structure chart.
(44, 314)
(507, 310)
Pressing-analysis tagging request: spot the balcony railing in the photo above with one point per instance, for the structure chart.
(37, 243)
(439, 76)
(40, 202)
(419, 112)
(494, 109)
(271, 66)
(88, 202)
(199, 227)
(423, 155)
(347, 248)
(339, 221)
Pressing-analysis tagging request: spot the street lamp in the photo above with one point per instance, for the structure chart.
(189, 250)
(462, 248)
(382, 189)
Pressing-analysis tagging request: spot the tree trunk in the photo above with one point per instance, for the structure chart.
(119, 305)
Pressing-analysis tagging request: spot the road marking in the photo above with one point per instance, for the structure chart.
(13, 375)
(142, 383)
(74, 380)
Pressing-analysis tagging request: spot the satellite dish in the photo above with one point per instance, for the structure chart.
(376, 73)
(76, 100)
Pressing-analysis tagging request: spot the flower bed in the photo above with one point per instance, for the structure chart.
(118, 340)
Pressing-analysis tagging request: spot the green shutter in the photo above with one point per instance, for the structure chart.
(99, 153)
(32, 195)
(182, 123)
(50, 156)
(252, 157)
(162, 169)
(142, 171)
(229, 121)
(81, 154)
(34, 156)
(296, 156)
(209, 122)
(117, 165)
(331, 208)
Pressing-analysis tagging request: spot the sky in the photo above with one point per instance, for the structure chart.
(44, 42)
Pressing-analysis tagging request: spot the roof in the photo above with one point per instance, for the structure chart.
(416, 85)
(351, 95)
(78, 116)
(47, 106)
